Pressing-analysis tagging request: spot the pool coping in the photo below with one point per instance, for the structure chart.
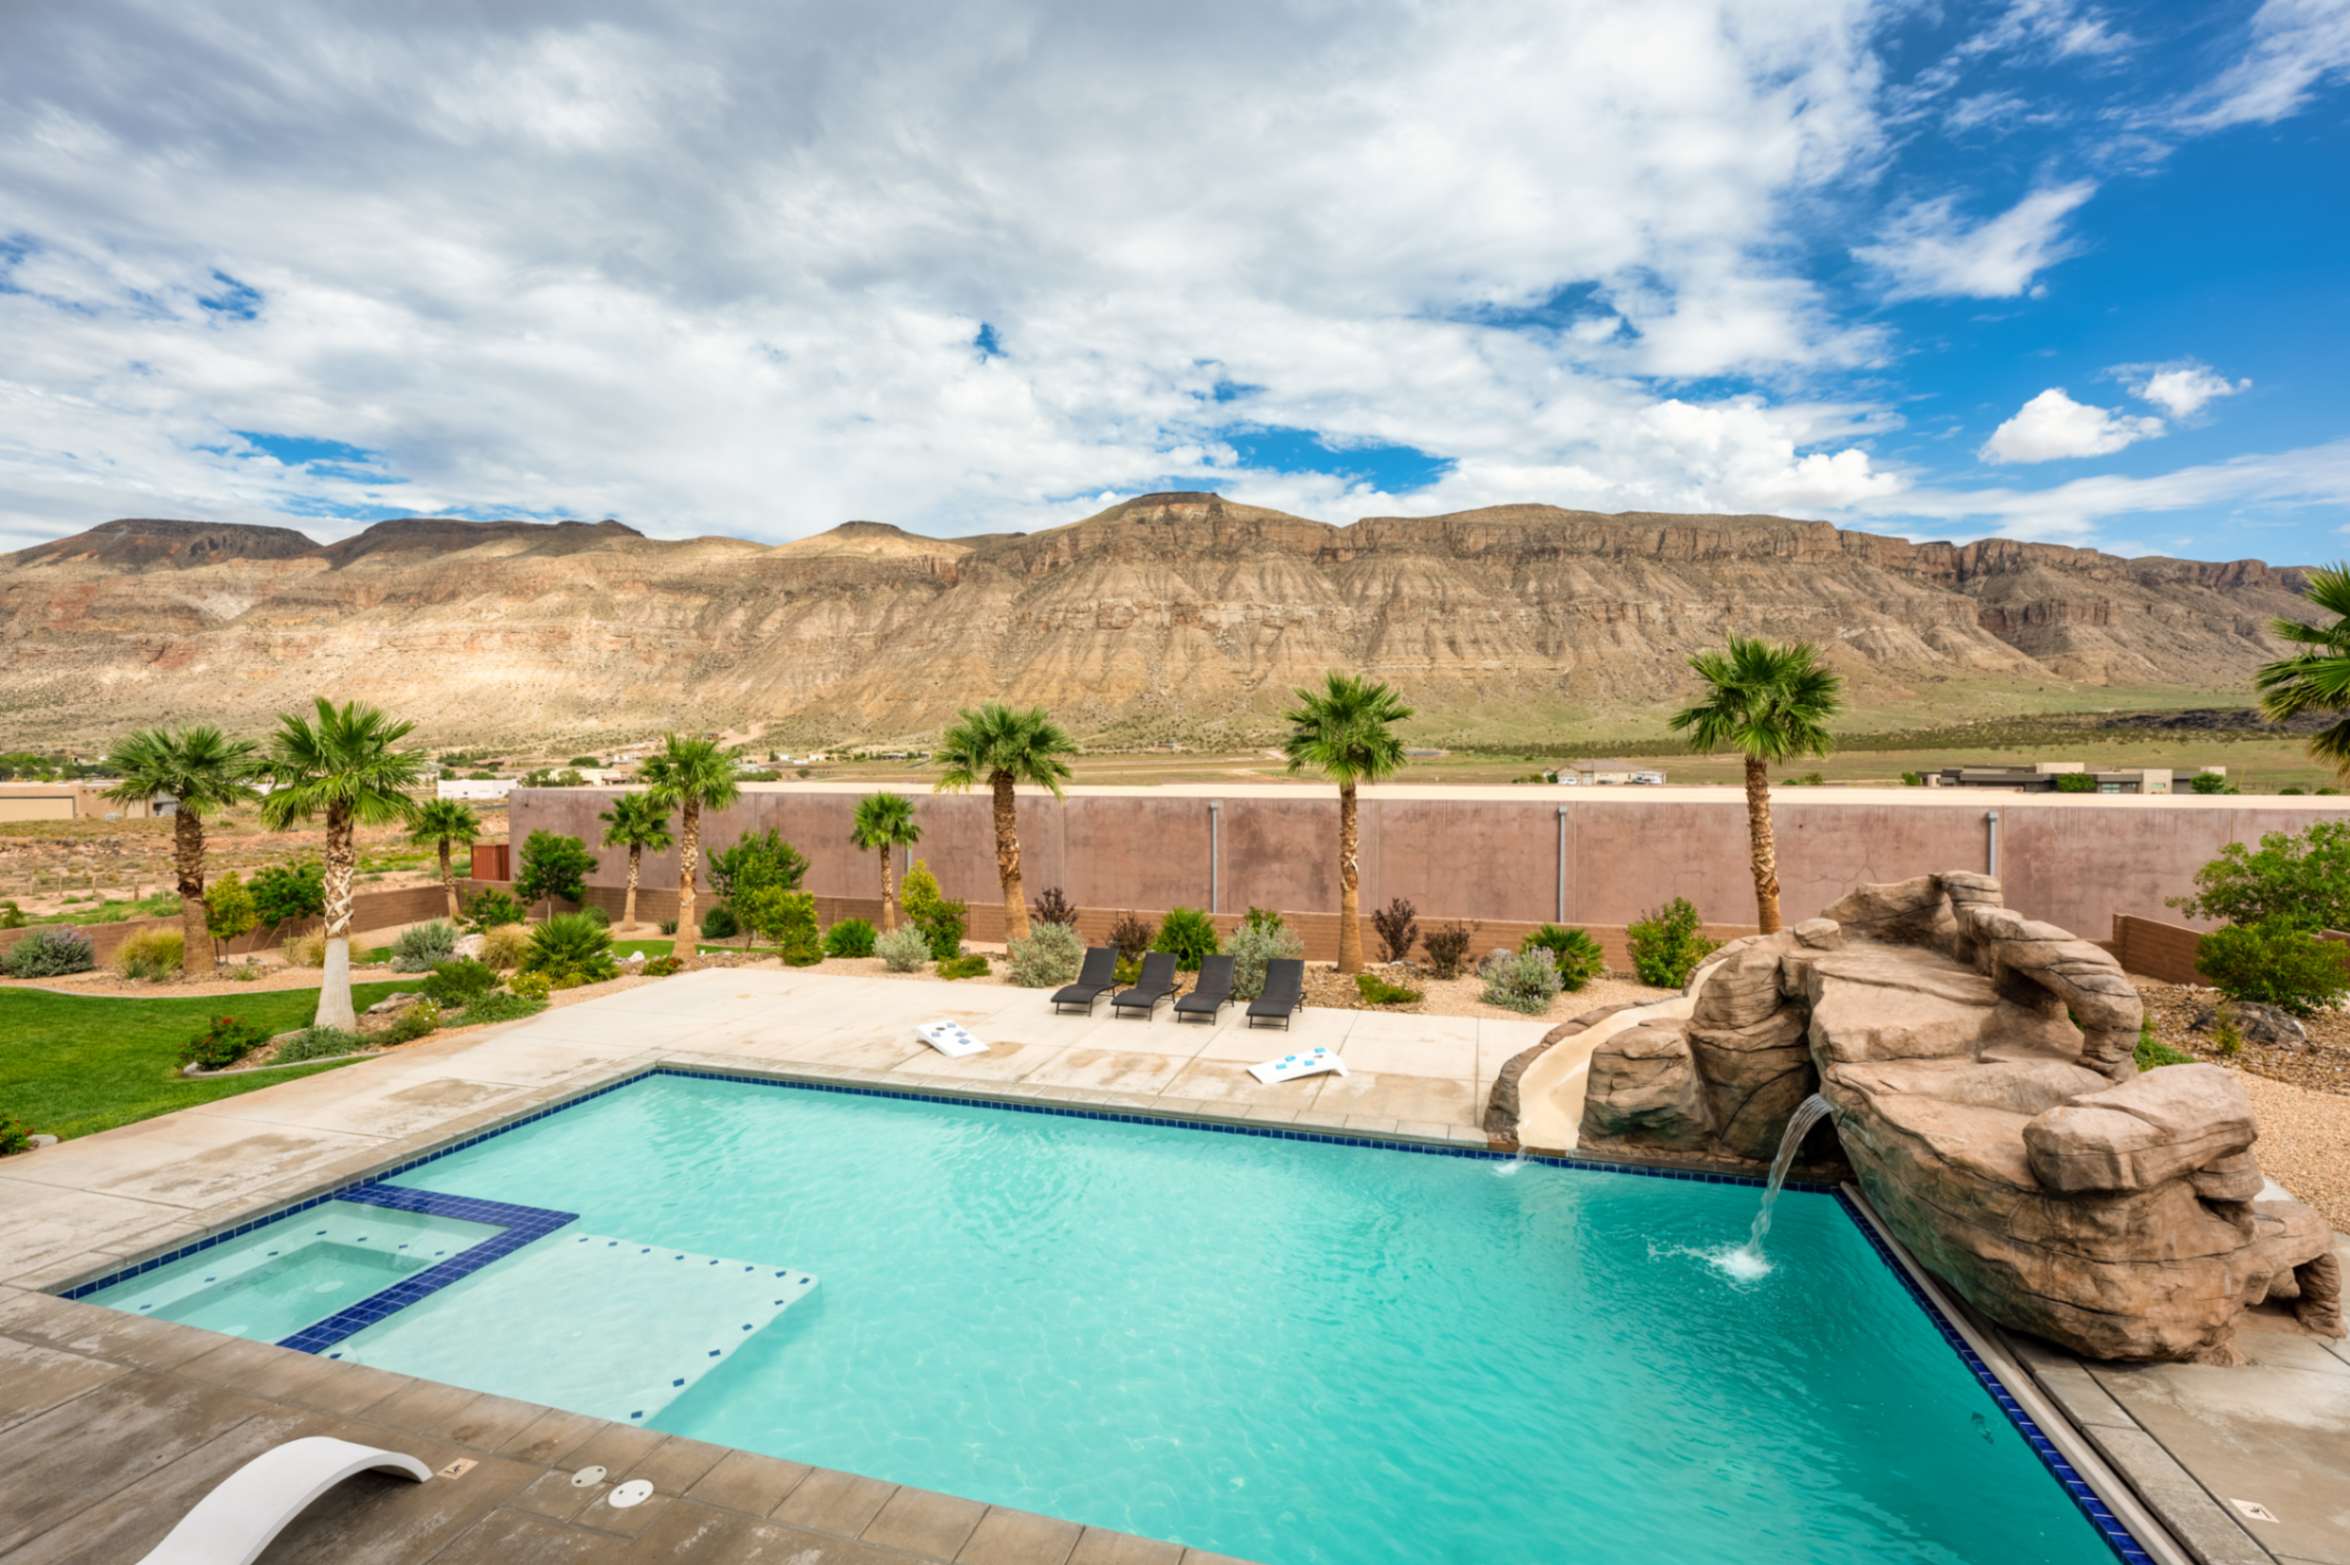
(2109, 1500)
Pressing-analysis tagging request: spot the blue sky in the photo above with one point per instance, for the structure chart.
(2048, 269)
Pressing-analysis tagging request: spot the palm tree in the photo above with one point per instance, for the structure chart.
(342, 766)
(1771, 703)
(689, 776)
(2317, 680)
(1346, 731)
(201, 769)
(884, 823)
(1006, 748)
(638, 823)
(442, 822)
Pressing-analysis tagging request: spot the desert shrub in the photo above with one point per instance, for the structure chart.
(318, 1043)
(458, 983)
(972, 966)
(1126, 970)
(2209, 782)
(152, 954)
(1524, 981)
(2274, 962)
(1254, 945)
(1048, 958)
(1667, 945)
(788, 920)
(1376, 990)
(1131, 935)
(2075, 782)
(1190, 935)
(500, 1006)
(849, 937)
(1260, 918)
(49, 953)
(2303, 878)
(720, 922)
(918, 890)
(2153, 1053)
(903, 949)
(553, 865)
(1050, 907)
(664, 966)
(1578, 956)
(570, 949)
(534, 986)
(15, 1135)
(669, 926)
(1447, 946)
(1398, 925)
(222, 1044)
(1913, 779)
(422, 947)
(244, 972)
(417, 1021)
(492, 908)
(11, 914)
(502, 946)
(228, 908)
(2227, 1036)
(284, 893)
(306, 951)
(942, 924)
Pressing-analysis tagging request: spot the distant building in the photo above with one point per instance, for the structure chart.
(2048, 777)
(476, 788)
(1601, 774)
(74, 801)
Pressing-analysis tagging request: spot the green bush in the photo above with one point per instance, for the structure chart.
(1578, 956)
(1667, 945)
(318, 1043)
(1048, 957)
(903, 949)
(502, 946)
(285, 893)
(15, 1134)
(417, 1021)
(458, 983)
(942, 925)
(2153, 1053)
(1376, 990)
(152, 954)
(664, 967)
(491, 908)
(1189, 935)
(849, 937)
(1260, 918)
(2209, 782)
(500, 1006)
(2274, 962)
(1447, 946)
(553, 865)
(2303, 878)
(571, 949)
(422, 947)
(720, 922)
(49, 953)
(2075, 782)
(222, 1044)
(1254, 945)
(971, 966)
(1524, 981)
(758, 861)
(1131, 935)
(12, 917)
(536, 986)
(228, 908)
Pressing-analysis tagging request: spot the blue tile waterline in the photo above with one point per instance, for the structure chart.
(399, 1297)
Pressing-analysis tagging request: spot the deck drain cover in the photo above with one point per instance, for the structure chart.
(587, 1478)
(2254, 1510)
(629, 1495)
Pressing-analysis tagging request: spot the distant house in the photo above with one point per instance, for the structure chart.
(479, 789)
(2049, 777)
(1602, 774)
(74, 801)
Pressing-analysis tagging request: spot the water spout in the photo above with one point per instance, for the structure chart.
(1746, 1261)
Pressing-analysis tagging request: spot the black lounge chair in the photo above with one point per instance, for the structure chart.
(1211, 994)
(1285, 992)
(1096, 978)
(1156, 983)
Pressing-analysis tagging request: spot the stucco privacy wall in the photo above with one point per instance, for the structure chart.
(1496, 853)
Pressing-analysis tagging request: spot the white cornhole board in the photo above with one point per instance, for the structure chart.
(1311, 1062)
(949, 1039)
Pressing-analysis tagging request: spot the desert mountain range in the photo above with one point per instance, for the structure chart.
(1167, 616)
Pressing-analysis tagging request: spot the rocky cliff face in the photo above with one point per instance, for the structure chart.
(1170, 614)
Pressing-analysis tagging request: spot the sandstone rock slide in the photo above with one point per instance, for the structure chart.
(1982, 1078)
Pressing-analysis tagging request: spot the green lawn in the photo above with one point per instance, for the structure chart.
(71, 1064)
(654, 948)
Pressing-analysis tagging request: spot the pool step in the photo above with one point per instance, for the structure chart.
(591, 1322)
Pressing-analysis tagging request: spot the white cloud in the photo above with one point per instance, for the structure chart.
(2181, 390)
(2053, 425)
(2058, 28)
(2295, 46)
(1929, 250)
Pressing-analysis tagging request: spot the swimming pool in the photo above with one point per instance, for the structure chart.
(1295, 1352)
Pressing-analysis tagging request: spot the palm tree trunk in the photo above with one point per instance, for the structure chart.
(448, 880)
(688, 948)
(187, 845)
(636, 856)
(1350, 896)
(1764, 846)
(334, 990)
(1007, 858)
(889, 894)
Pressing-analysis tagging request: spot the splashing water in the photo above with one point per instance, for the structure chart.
(1511, 1168)
(1745, 1262)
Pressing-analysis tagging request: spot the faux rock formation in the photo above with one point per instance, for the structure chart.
(1980, 1068)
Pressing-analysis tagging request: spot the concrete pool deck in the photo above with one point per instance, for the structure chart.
(108, 1421)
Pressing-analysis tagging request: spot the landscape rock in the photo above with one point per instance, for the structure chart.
(469, 946)
(1644, 1085)
(2256, 1023)
(393, 1004)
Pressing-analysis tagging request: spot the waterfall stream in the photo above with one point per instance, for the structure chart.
(1746, 1262)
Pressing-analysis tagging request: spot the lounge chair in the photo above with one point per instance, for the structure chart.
(1156, 983)
(1211, 994)
(245, 1510)
(1096, 978)
(1284, 994)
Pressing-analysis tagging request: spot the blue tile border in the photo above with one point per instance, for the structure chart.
(525, 1224)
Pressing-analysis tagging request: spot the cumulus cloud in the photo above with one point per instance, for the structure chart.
(1932, 250)
(2295, 46)
(2053, 425)
(2181, 390)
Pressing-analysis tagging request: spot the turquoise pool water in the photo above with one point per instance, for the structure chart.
(1296, 1353)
